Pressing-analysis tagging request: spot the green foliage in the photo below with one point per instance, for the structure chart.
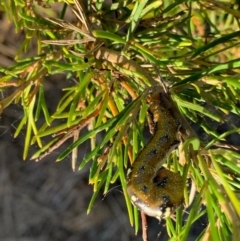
(113, 50)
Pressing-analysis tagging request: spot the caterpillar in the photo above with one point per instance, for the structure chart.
(153, 189)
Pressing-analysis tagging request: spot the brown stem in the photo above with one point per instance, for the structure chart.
(144, 226)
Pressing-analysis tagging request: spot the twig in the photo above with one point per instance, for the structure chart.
(55, 146)
(115, 57)
(144, 226)
(75, 151)
(227, 146)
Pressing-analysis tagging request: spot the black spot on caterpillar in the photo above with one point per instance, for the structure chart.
(153, 189)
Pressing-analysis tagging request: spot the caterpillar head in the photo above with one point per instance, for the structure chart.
(161, 197)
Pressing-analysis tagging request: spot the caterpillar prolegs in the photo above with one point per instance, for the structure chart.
(153, 189)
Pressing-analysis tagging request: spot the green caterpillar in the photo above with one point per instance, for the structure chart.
(153, 189)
